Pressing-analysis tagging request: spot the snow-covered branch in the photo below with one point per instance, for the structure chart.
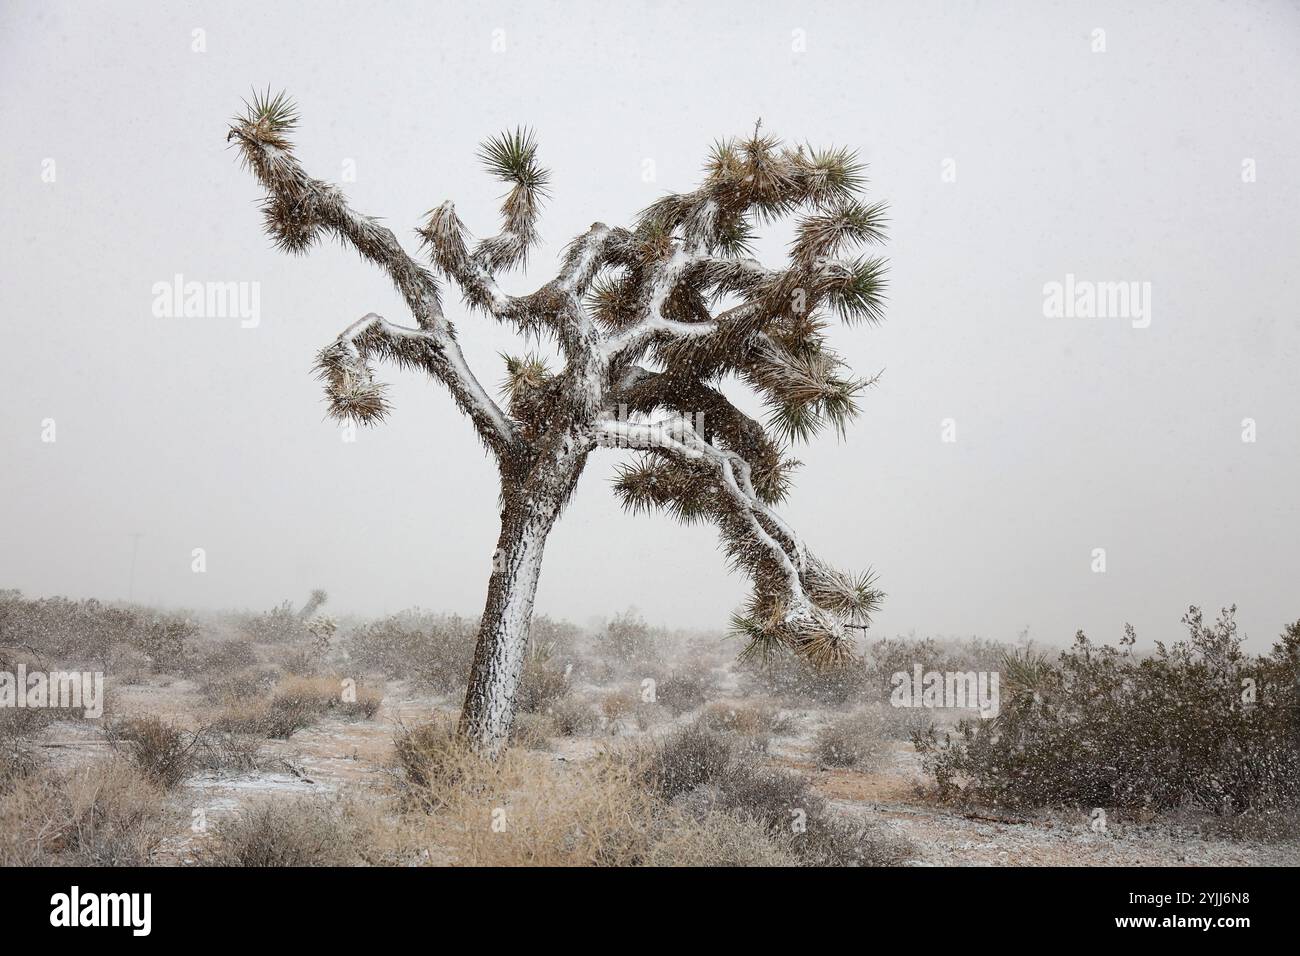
(799, 601)
(354, 394)
(298, 210)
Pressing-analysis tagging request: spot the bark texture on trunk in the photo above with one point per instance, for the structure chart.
(503, 632)
(529, 513)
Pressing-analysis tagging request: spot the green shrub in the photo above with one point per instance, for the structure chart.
(1105, 727)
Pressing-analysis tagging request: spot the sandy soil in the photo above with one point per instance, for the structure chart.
(352, 757)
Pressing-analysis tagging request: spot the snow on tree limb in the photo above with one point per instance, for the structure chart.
(799, 603)
(651, 317)
(298, 209)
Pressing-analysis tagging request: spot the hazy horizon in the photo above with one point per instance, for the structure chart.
(1013, 155)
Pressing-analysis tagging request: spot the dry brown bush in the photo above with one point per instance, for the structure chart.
(685, 687)
(284, 834)
(572, 716)
(242, 685)
(851, 740)
(319, 696)
(720, 839)
(257, 718)
(533, 731)
(103, 814)
(163, 752)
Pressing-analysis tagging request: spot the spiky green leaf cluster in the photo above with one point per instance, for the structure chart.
(512, 158)
(269, 118)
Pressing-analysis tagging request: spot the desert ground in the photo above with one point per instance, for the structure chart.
(287, 738)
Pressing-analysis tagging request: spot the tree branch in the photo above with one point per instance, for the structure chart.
(299, 209)
(345, 368)
(800, 602)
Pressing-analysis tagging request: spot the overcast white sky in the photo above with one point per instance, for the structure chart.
(1072, 433)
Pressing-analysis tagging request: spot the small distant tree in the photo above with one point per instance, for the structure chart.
(648, 321)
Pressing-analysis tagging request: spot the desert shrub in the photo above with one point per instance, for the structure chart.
(561, 636)
(276, 626)
(785, 804)
(618, 705)
(702, 769)
(436, 650)
(430, 759)
(24, 721)
(629, 639)
(623, 709)
(572, 717)
(720, 839)
(127, 664)
(282, 624)
(167, 755)
(18, 760)
(620, 808)
(766, 794)
(791, 677)
(300, 661)
(88, 630)
(257, 717)
(543, 681)
(903, 723)
(978, 654)
(755, 720)
(322, 696)
(219, 752)
(832, 840)
(590, 814)
(163, 752)
(890, 656)
(226, 656)
(278, 834)
(851, 740)
(1103, 726)
(532, 731)
(103, 814)
(367, 704)
(593, 813)
(689, 758)
(684, 688)
(296, 703)
(240, 686)
(65, 629)
(163, 641)
(868, 680)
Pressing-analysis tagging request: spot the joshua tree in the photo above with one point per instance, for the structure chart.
(648, 321)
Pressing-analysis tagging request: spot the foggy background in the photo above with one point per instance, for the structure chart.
(1072, 434)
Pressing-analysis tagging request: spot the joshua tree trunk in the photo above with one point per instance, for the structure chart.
(503, 632)
(528, 514)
